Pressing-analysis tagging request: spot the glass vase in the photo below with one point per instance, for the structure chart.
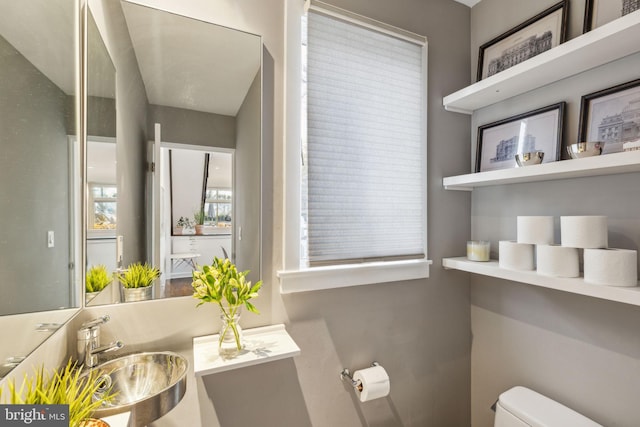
(230, 342)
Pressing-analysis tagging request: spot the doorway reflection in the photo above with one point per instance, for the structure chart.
(200, 211)
(102, 202)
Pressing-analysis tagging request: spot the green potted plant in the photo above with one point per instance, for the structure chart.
(199, 218)
(97, 279)
(223, 284)
(69, 385)
(137, 281)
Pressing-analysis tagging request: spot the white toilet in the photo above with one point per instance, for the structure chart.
(521, 407)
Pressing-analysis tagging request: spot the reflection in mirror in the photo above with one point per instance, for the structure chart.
(201, 191)
(218, 193)
(101, 160)
(203, 90)
(201, 185)
(39, 173)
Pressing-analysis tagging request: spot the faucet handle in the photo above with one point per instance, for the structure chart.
(95, 322)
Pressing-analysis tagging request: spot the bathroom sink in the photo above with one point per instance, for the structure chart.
(146, 384)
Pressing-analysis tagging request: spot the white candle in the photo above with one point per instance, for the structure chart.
(478, 250)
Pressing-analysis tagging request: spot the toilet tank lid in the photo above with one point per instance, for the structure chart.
(540, 411)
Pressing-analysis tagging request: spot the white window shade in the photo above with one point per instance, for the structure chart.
(365, 186)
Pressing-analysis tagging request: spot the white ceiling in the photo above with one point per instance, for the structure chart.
(43, 31)
(186, 63)
(469, 3)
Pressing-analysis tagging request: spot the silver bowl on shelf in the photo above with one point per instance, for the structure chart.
(585, 149)
(531, 158)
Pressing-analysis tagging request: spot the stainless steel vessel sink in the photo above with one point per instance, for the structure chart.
(147, 384)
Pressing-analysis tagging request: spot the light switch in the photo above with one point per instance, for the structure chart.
(50, 239)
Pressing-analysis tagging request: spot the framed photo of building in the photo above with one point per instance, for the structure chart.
(599, 12)
(534, 36)
(538, 130)
(611, 116)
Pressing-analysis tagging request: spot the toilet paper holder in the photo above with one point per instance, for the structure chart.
(357, 384)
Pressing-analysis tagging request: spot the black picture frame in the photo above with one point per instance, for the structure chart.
(516, 45)
(547, 125)
(600, 12)
(611, 112)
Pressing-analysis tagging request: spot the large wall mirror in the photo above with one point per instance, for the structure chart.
(40, 173)
(188, 98)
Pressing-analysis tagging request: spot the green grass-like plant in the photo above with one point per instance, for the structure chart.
(222, 284)
(138, 275)
(199, 217)
(97, 278)
(64, 386)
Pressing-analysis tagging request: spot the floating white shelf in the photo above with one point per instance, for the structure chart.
(629, 295)
(604, 44)
(262, 345)
(118, 420)
(608, 164)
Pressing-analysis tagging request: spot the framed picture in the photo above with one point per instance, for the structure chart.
(599, 12)
(538, 130)
(534, 36)
(611, 116)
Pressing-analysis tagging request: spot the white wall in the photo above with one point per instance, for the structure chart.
(578, 350)
(187, 174)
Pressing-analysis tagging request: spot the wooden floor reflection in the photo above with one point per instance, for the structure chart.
(176, 288)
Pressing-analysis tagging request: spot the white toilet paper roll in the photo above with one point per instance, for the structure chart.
(536, 230)
(515, 256)
(375, 383)
(557, 261)
(584, 231)
(611, 267)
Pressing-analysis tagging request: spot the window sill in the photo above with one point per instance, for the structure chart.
(340, 276)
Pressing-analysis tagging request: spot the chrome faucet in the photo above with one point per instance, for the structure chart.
(89, 342)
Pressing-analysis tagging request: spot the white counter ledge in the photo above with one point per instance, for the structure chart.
(262, 345)
(119, 420)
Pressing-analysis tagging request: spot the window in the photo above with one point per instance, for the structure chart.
(217, 207)
(104, 202)
(362, 153)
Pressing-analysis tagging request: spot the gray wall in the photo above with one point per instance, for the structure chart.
(131, 116)
(192, 127)
(34, 171)
(247, 173)
(504, 15)
(101, 116)
(578, 350)
(419, 330)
